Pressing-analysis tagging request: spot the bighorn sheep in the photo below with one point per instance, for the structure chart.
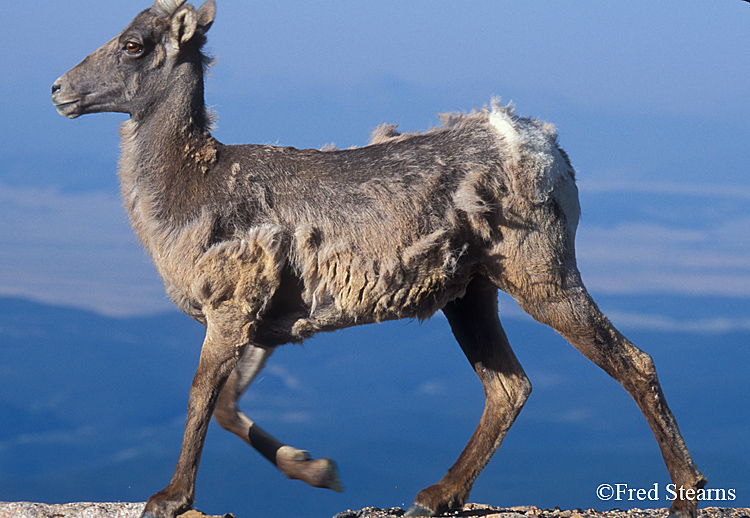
(267, 245)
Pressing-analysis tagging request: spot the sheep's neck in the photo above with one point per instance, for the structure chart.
(167, 157)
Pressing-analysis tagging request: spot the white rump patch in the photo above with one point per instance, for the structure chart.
(502, 119)
(536, 164)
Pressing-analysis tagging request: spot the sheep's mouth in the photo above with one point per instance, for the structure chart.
(68, 108)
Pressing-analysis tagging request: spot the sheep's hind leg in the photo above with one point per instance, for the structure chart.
(476, 326)
(294, 463)
(573, 313)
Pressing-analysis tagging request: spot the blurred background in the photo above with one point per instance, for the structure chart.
(650, 101)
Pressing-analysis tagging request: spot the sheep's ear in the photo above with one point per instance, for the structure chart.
(184, 24)
(206, 15)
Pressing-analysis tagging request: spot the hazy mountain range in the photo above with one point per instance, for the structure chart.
(93, 409)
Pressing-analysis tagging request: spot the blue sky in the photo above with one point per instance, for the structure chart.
(650, 100)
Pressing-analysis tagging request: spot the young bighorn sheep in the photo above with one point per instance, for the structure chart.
(268, 245)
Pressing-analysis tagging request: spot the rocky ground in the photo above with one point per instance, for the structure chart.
(486, 511)
(83, 510)
(128, 510)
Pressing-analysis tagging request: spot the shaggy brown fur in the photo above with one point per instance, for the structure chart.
(268, 245)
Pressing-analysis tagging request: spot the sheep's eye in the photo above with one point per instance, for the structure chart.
(133, 48)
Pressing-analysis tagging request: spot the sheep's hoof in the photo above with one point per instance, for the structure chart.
(333, 479)
(297, 464)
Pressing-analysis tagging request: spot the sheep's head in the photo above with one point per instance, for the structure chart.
(135, 70)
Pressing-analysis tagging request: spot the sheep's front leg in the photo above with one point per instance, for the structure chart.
(222, 346)
(294, 463)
